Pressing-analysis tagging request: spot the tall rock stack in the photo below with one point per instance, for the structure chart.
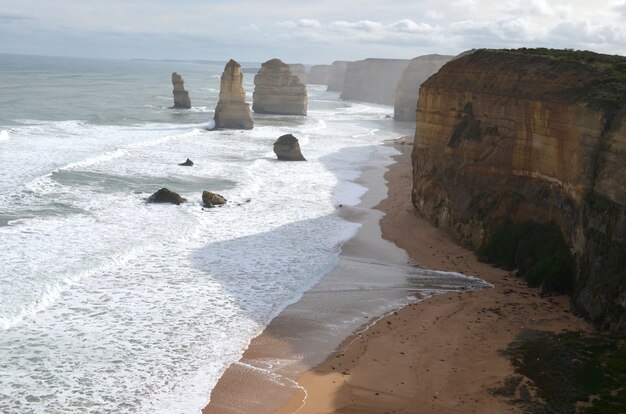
(407, 91)
(299, 70)
(232, 111)
(337, 75)
(278, 91)
(181, 96)
(319, 75)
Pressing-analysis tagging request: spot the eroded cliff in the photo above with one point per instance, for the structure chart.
(532, 136)
(373, 80)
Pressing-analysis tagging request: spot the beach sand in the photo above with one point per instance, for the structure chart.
(440, 355)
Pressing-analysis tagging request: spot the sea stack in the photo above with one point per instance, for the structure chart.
(319, 75)
(373, 80)
(278, 91)
(299, 70)
(181, 96)
(287, 148)
(407, 90)
(232, 111)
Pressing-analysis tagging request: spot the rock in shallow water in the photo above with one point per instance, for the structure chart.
(181, 96)
(287, 148)
(166, 196)
(187, 163)
(212, 199)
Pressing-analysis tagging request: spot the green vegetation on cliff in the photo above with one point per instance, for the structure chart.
(538, 251)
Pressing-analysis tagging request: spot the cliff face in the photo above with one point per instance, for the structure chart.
(508, 137)
(337, 75)
(278, 91)
(181, 96)
(407, 90)
(232, 111)
(319, 75)
(299, 70)
(373, 80)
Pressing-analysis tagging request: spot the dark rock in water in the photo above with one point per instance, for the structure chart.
(187, 163)
(181, 96)
(166, 196)
(287, 148)
(212, 199)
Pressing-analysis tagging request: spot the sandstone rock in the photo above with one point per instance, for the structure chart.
(181, 96)
(287, 148)
(211, 200)
(337, 75)
(232, 111)
(187, 163)
(373, 80)
(407, 90)
(299, 70)
(531, 135)
(166, 196)
(319, 75)
(278, 91)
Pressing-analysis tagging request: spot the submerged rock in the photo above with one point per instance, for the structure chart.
(166, 196)
(212, 199)
(287, 148)
(232, 111)
(187, 163)
(278, 91)
(181, 96)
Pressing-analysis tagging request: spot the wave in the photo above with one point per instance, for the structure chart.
(4, 135)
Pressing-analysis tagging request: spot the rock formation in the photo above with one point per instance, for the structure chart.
(181, 96)
(278, 91)
(337, 75)
(211, 200)
(319, 75)
(166, 196)
(373, 80)
(187, 163)
(531, 136)
(407, 90)
(287, 148)
(299, 70)
(232, 111)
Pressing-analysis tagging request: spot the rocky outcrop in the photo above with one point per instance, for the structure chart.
(287, 148)
(232, 111)
(299, 70)
(187, 163)
(319, 75)
(407, 90)
(181, 96)
(166, 196)
(278, 91)
(373, 80)
(337, 75)
(538, 136)
(211, 200)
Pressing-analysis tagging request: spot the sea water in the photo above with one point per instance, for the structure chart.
(109, 304)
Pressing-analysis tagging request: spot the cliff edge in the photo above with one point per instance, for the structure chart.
(521, 154)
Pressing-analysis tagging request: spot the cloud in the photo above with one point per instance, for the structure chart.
(7, 16)
(620, 7)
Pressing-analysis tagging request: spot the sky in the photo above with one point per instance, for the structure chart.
(304, 31)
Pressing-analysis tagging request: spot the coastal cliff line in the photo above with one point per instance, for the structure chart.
(521, 155)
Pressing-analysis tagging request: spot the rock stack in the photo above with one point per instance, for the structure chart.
(232, 111)
(373, 80)
(181, 96)
(299, 70)
(287, 148)
(278, 91)
(319, 75)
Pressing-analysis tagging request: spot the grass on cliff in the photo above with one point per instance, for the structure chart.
(538, 251)
(568, 369)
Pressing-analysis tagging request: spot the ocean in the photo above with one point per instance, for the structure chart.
(109, 304)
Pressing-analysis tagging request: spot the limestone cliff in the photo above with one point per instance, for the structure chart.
(373, 80)
(337, 75)
(181, 96)
(531, 136)
(278, 91)
(299, 70)
(407, 90)
(232, 111)
(319, 75)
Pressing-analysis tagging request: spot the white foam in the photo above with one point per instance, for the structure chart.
(4, 135)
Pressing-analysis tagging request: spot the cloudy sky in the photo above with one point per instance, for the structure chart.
(309, 31)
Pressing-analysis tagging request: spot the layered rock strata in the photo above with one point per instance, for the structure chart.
(232, 111)
(299, 70)
(337, 75)
(531, 136)
(373, 80)
(181, 96)
(278, 91)
(407, 90)
(319, 75)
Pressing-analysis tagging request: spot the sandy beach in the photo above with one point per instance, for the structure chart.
(440, 355)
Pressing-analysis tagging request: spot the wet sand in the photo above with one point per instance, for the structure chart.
(441, 355)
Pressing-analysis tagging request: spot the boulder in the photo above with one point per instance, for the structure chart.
(278, 91)
(181, 96)
(232, 111)
(187, 163)
(287, 148)
(211, 200)
(319, 75)
(166, 196)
